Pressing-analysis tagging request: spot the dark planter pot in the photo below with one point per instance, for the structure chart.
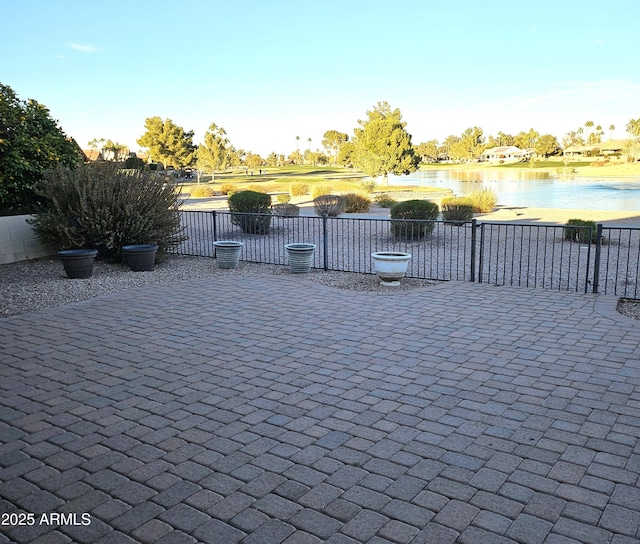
(141, 257)
(78, 263)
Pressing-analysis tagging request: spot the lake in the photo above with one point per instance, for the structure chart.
(534, 189)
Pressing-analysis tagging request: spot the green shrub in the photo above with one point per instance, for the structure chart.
(251, 211)
(201, 191)
(286, 210)
(283, 198)
(457, 208)
(299, 189)
(483, 200)
(321, 190)
(133, 163)
(413, 219)
(228, 188)
(577, 230)
(368, 186)
(355, 203)
(331, 205)
(101, 207)
(384, 200)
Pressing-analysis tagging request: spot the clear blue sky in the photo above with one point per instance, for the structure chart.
(270, 70)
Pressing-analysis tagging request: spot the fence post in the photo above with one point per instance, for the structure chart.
(474, 226)
(481, 253)
(325, 242)
(596, 264)
(215, 232)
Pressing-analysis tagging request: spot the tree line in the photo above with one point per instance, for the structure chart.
(32, 142)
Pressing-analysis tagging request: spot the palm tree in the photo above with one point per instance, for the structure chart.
(309, 140)
(297, 143)
(611, 129)
(588, 125)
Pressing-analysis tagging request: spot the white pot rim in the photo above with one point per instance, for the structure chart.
(391, 255)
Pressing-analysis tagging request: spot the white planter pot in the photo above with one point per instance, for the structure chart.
(390, 266)
(300, 257)
(227, 253)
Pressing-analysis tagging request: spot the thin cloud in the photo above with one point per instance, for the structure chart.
(84, 48)
(573, 91)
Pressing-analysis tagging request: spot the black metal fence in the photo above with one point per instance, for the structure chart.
(517, 254)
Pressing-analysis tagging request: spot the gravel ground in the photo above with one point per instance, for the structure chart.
(29, 286)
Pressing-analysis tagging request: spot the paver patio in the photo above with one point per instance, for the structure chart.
(266, 410)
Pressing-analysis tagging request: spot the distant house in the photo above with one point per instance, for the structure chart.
(611, 148)
(590, 150)
(505, 153)
(92, 155)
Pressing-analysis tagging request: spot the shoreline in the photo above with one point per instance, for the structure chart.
(620, 171)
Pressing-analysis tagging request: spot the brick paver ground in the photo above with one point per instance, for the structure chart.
(264, 410)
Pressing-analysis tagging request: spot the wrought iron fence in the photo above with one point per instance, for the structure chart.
(605, 260)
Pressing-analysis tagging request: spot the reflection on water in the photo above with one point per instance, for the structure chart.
(534, 189)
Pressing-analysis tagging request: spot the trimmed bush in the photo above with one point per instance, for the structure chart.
(577, 230)
(321, 190)
(251, 211)
(299, 189)
(413, 219)
(384, 200)
(201, 191)
(331, 205)
(355, 203)
(457, 208)
(483, 200)
(283, 198)
(286, 210)
(101, 207)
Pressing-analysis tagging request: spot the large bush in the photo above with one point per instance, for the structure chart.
(484, 200)
(331, 205)
(30, 143)
(251, 211)
(581, 230)
(457, 208)
(357, 203)
(413, 219)
(101, 207)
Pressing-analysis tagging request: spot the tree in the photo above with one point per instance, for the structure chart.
(633, 146)
(611, 129)
(428, 151)
(298, 143)
(382, 146)
(30, 143)
(500, 140)
(114, 151)
(526, 140)
(346, 154)
(296, 157)
(215, 153)
(547, 145)
(589, 125)
(469, 146)
(254, 160)
(332, 140)
(167, 142)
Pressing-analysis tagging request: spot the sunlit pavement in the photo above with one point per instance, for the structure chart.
(262, 410)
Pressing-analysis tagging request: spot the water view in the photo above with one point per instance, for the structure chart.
(534, 189)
